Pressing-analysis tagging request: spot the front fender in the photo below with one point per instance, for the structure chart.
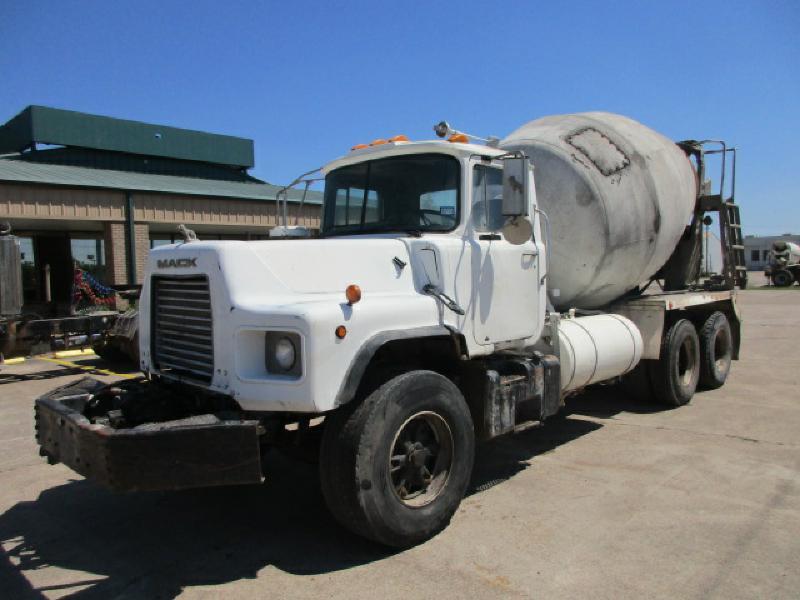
(358, 366)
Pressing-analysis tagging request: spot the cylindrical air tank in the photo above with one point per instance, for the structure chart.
(596, 348)
(618, 196)
(786, 253)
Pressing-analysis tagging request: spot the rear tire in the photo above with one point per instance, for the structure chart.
(395, 467)
(674, 376)
(782, 278)
(716, 347)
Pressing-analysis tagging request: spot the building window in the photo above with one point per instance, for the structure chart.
(766, 255)
(89, 255)
(754, 255)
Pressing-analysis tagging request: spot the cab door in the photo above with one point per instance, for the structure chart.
(506, 286)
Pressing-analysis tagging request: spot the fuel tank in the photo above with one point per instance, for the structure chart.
(597, 348)
(618, 196)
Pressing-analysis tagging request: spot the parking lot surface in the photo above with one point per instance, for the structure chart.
(613, 500)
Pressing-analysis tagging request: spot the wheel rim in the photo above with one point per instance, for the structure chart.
(687, 359)
(420, 459)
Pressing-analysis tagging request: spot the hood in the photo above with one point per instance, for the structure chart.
(330, 265)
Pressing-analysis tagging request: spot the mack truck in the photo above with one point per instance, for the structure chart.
(458, 289)
(784, 266)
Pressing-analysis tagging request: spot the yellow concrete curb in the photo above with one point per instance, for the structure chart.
(14, 361)
(69, 353)
(66, 363)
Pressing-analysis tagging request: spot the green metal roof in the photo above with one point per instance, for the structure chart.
(41, 124)
(22, 171)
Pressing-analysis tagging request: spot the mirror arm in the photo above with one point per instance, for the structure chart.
(432, 290)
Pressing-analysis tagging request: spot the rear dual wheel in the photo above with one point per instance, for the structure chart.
(687, 361)
(395, 467)
(716, 345)
(675, 375)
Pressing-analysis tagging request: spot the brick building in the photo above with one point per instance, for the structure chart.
(100, 192)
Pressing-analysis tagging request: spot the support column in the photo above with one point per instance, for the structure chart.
(118, 255)
(130, 239)
(142, 243)
(116, 267)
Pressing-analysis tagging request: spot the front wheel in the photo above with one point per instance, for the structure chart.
(782, 278)
(395, 467)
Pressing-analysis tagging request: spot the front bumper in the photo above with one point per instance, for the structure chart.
(197, 451)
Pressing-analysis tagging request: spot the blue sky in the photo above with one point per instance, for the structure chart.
(308, 80)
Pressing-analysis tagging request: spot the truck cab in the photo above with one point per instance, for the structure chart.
(416, 227)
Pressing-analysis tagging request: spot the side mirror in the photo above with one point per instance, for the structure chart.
(515, 187)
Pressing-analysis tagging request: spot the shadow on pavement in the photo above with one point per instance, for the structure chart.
(604, 402)
(156, 544)
(40, 375)
(122, 365)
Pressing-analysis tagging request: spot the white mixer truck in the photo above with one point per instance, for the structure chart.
(455, 291)
(784, 267)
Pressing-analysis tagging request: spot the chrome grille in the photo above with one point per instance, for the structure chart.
(183, 339)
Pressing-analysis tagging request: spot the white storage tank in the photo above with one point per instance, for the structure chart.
(618, 196)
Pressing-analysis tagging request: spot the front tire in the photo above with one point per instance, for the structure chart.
(782, 278)
(716, 345)
(674, 376)
(395, 467)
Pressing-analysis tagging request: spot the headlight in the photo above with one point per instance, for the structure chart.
(285, 353)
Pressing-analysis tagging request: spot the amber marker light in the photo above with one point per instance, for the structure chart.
(399, 138)
(352, 293)
(358, 147)
(341, 331)
(378, 142)
(458, 138)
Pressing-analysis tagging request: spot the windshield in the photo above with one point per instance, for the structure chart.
(414, 193)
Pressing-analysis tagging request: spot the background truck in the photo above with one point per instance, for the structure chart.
(784, 265)
(455, 291)
(23, 331)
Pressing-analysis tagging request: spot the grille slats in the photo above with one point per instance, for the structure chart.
(182, 327)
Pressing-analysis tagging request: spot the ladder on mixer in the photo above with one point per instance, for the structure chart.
(734, 271)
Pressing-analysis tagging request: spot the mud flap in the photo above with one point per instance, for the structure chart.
(197, 451)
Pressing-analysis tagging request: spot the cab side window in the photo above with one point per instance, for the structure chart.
(487, 199)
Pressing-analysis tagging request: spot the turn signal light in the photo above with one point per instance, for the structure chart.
(352, 293)
(458, 138)
(358, 147)
(341, 331)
